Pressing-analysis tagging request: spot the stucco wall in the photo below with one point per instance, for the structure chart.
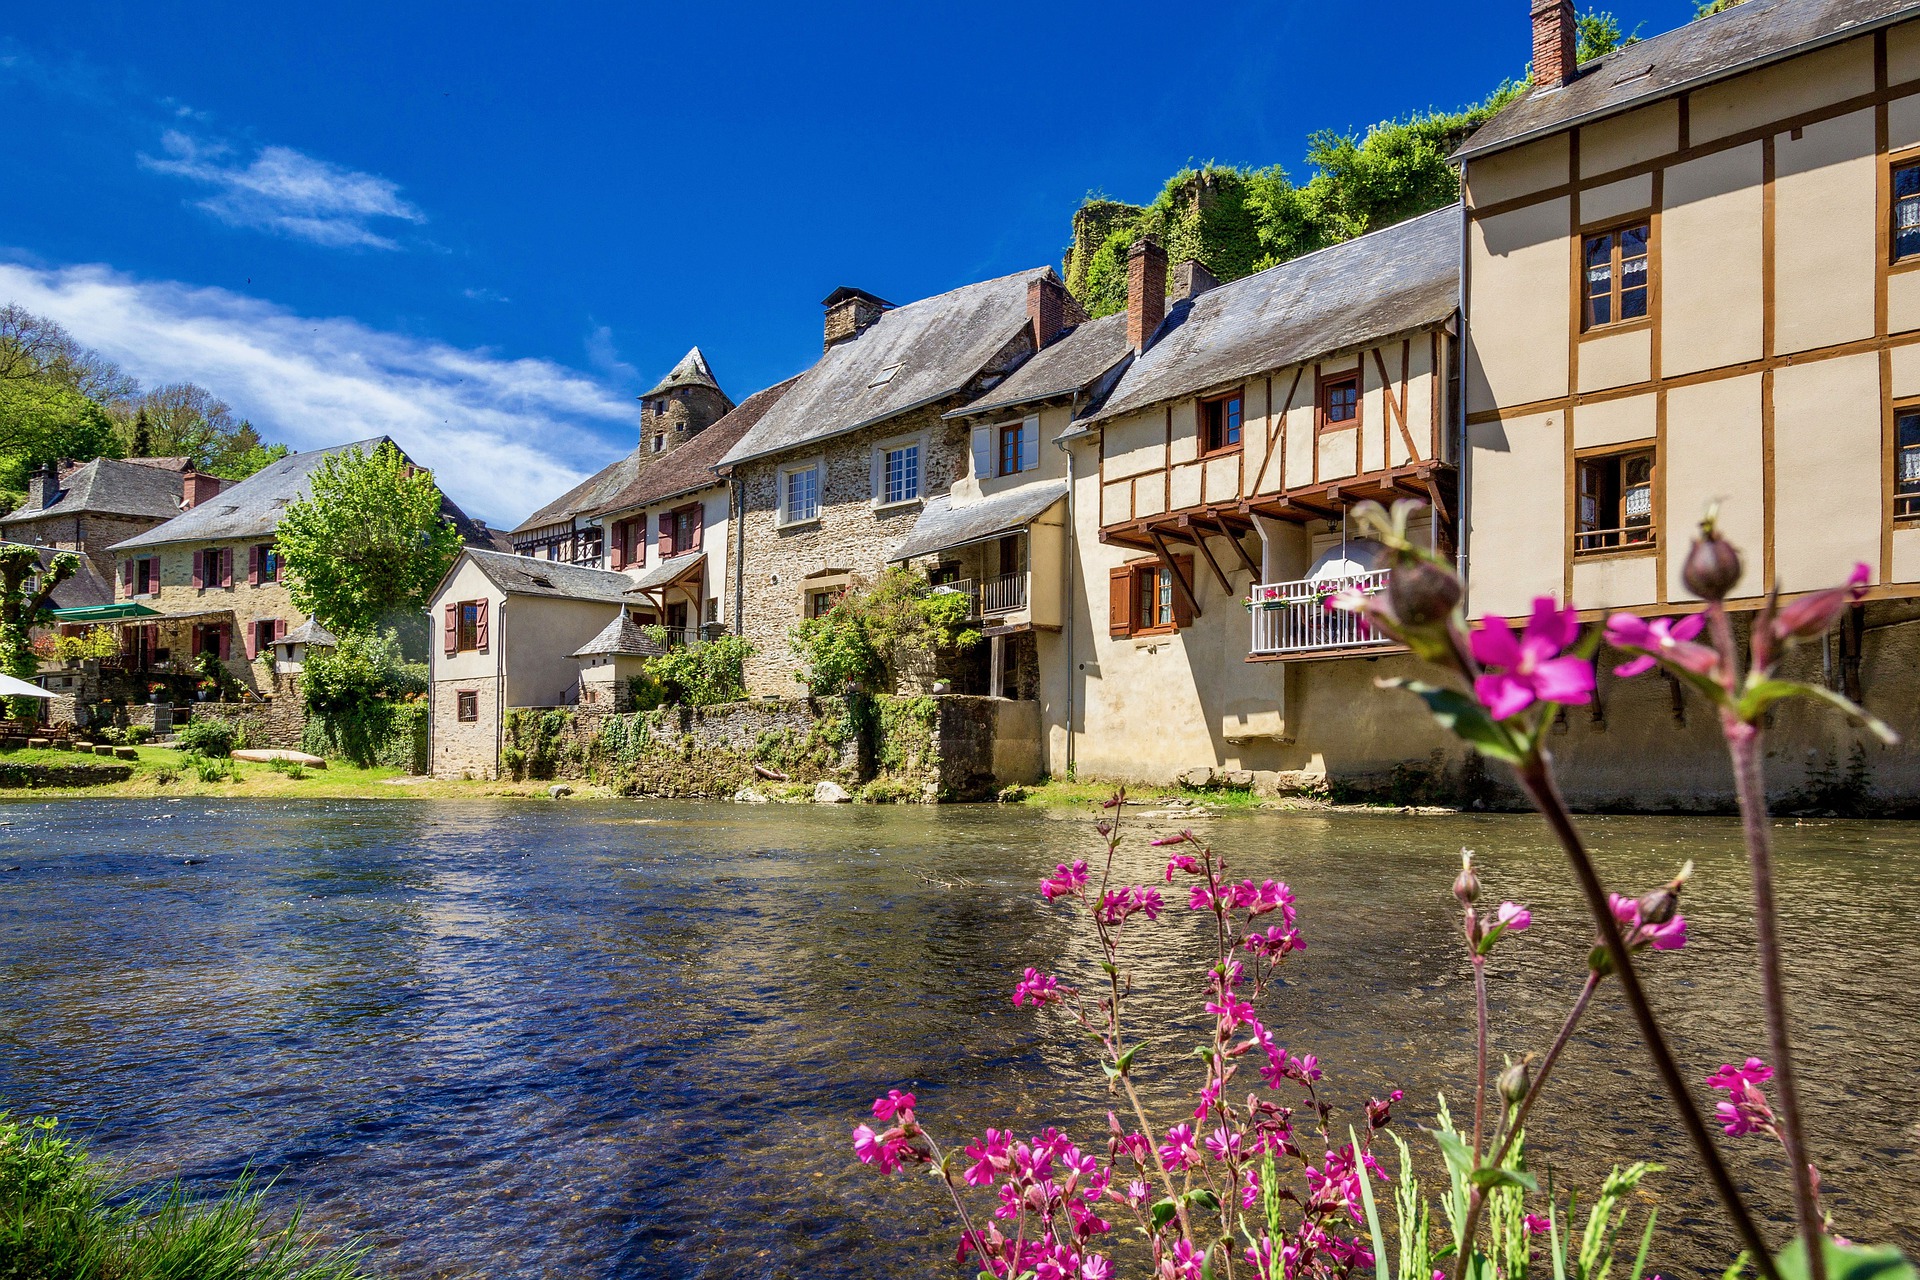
(241, 605)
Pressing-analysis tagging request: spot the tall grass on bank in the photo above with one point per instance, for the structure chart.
(64, 1215)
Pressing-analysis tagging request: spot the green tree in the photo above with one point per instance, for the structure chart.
(1712, 7)
(242, 453)
(41, 422)
(26, 602)
(367, 543)
(142, 444)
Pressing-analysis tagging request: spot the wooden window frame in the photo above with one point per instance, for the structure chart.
(466, 705)
(468, 635)
(1620, 453)
(1203, 428)
(1616, 270)
(1326, 382)
(1135, 574)
(1906, 507)
(1907, 159)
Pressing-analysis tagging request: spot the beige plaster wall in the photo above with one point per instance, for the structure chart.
(1826, 443)
(1709, 244)
(1825, 233)
(1713, 455)
(1516, 512)
(1518, 269)
(540, 634)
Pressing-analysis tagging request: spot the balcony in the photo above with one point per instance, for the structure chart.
(1291, 618)
(1004, 594)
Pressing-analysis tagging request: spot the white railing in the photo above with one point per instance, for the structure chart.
(1004, 594)
(1292, 617)
(964, 587)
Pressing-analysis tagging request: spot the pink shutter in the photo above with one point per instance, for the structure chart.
(699, 521)
(667, 547)
(226, 569)
(480, 626)
(252, 637)
(226, 635)
(617, 546)
(451, 639)
(279, 628)
(199, 573)
(196, 641)
(128, 575)
(152, 564)
(253, 565)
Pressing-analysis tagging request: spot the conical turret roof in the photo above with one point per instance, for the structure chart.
(692, 371)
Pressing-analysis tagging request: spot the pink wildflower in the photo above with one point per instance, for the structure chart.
(1275, 942)
(1064, 880)
(884, 1108)
(1037, 987)
(1536, 1225)
(1096, 1267)
(1513, 917)
(1811, 615)
(1746, 1110)
(1534, 670)
(1187, 1260)
(1178, 1149)
(1670, 936)
(1184, 862)
(1657, 639)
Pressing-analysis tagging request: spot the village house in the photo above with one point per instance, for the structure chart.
(87, 507)
(209, 581)
(834, 476)
(1690, 281)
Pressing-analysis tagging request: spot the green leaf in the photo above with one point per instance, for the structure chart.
(1459, 1159)
(1848, 1262)
(1380, 1269)
(1504, 1178)
(1646, 1245)
(1760, 696)
(1206, 1264)
(1204, 1200)
(1739, 1266)
(1163, 1212)
(1461, 716)
(1126, 1059)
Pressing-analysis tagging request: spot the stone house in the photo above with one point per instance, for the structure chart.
(213, 581)
(834, 476)
(1690, 279)
(508, 629)
(679, 408)
(88, 507)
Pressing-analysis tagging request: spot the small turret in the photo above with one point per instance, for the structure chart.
(684, 403)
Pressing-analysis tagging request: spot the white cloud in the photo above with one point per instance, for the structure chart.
(502, 435)
(285, 191)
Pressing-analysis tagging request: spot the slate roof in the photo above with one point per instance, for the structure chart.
(85, 589)
(692, 371)
(668, 571)
(252, 508)
(590, 494)
(1738, 39)
(932, 347)
(310, 633)
(1073, 362)
(526, 576)
(689, 468)
(109, 486)
(1402, 277)
(943, 526)
(621, 638)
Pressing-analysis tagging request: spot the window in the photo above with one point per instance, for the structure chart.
(213, 567)
(818, 602)
(1144, 599)
(469, 625)
(1615, 267)
(466, 627)
(900, 474)
(1906, 211)
(466, 704)
(142, 577)
(1906, 465)
(680, 530)
(800, 494)
(1615, 502)
(1010, 448)
(265, 632)
(1007, 449)
(1339, 402)
(1220, 423)
(263, 564)
(660, 442)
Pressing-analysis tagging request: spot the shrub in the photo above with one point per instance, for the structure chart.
(361, 669)
(208, 735)
(166, 775)
(210, 769)
(703, 674)
(94, 642)
(875, 629)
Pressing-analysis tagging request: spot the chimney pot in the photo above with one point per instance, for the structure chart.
(1146, 291)
(1191, 279)
(1556, 43)
(850, 312)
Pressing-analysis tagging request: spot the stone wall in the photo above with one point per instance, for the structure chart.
(241, 605)
(271, 722)
(465, 748)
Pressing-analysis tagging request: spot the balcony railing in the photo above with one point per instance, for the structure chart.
(1292, 617)
(964, 587)
(1004, 594)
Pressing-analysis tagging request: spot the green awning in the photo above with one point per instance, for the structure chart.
(104, 612)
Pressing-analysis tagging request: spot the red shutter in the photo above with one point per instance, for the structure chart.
(226, 569)
(226, 633)
(153, 639)
(696, 520)
(452, 636)
(253, 565)
(1182, 611)
(617, 546)
(195, 633)
(667, 547)
(153, 574)
(252, 636)
(480, 626)
(199, 573)
(1119, 602)
(128, 575)
(279, 628)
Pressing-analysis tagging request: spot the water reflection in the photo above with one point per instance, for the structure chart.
(616, 1040)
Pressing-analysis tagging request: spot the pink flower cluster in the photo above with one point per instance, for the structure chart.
(1746, 1109)
(1523, 669)
(894, 1146)
(1036, 986)
(1056, 1183)
(1641, 934)
(1117, 904)
(1660, 639)
(1065, 880)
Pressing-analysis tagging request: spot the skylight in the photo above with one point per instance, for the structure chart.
(885, 376)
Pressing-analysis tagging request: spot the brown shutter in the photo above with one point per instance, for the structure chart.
(253, 565)
(696, 520)
(252, 637)
(196, 640)
(1182, 611)
(128, 575)
(153, 574)
(226, 633)
(480, 626)
(279, 628)
(617, 545)
(667, 547)
(226, 568)
(199, 572)
(452, 636)
(1119, 602)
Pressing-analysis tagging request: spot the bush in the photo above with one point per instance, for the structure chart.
(210, 735)
(875, 628)
(63, 1216)
(361, 669)
(94, 642)
(700, 675)
(210, 769)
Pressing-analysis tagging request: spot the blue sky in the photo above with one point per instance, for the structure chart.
(486, 228)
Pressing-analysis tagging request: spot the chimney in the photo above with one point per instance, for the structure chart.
(851, 312)
(1146, 291)
(1556, 41)
(196, 488)
(1191, 279)
(1046, 309)
(43, 488)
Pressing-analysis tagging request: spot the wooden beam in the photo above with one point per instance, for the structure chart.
(1233, 540)
(1439, 502)
(1200, 541)
(1173, 570)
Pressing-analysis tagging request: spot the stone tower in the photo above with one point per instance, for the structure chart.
(685, 403)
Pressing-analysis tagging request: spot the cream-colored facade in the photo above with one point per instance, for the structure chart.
(686, 590)
(223, 596)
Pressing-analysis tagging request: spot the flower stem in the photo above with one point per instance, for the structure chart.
(1480, 1078)
(1744, 743)
(1536, 778)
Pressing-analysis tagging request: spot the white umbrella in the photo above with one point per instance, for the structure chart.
(13, 687)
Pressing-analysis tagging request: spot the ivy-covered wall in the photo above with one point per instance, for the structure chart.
(393, 734)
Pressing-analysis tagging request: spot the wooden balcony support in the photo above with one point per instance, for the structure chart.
(1180, 582)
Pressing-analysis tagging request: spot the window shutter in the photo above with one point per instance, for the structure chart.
(279, 628)
(696, 523)
(252, 637)
(1182, 611)
(451, 638)
(1119, 602)
(153, 574)
(199, 572)
(1030, 444)
(480, 626)
(983, 453)
(667, 548)
(196, 640)
(128, 575)
(253, 565)
(225, 633)
(226, 568)
(617, 546)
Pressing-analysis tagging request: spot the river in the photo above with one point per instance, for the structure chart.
(629, 1039)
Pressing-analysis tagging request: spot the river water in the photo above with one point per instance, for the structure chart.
(629, 1039)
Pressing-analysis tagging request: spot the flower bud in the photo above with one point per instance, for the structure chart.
(1423, 594)
(1713, 565)
(1466, 886)
(1659, 906)
(1514, 1081)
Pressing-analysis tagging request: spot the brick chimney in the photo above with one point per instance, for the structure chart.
(1146, 291)
(1191, 279)
(1046, 309)
(1556, 41)
(43, 488)
(850, 312)
(197, 487)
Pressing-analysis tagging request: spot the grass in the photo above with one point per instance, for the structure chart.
(167, 773)
(1063, 793)
(66, 1216)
